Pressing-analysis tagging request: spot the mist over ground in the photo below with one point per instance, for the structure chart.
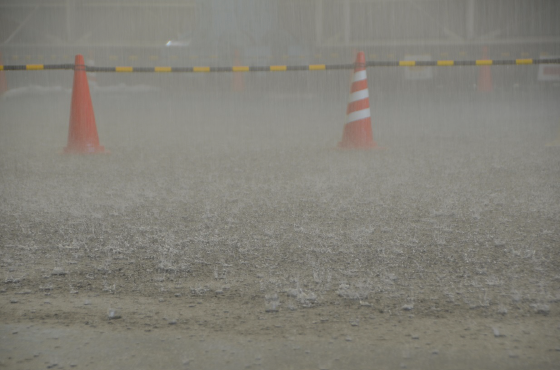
(226, 229)
(247, 199)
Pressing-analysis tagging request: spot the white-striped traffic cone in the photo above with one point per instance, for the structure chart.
(357, 132)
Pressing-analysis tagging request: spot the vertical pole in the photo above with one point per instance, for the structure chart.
(470, 19)
(70, 19)
(318, 22)
(346, 22)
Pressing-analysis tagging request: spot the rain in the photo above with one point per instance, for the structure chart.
(258, 184)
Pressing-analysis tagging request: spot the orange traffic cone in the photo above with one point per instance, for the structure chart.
(357, 132)
(3, 82)
(484, 75)
(82, 133)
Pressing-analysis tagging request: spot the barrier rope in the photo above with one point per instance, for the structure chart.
(282, 68)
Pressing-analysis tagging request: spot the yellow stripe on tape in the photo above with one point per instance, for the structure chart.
(123, 69)
(240, 69)
(162, 69)
(524, 61)
(317, 67)
(445, 62)
(278, 68)
(201, 69)
(407, 63)
(484, 62)
(34, 67)
(1, 68)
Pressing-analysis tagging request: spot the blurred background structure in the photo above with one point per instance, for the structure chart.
(271, 32)
(280, 28)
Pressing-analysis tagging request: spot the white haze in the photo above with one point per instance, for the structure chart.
(228, 191)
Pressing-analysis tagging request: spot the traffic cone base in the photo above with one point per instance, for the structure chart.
(357, 133)
(86, 150)
(82, 131)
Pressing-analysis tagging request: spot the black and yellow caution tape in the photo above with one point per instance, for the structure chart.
(35, 67)
(283, 68)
